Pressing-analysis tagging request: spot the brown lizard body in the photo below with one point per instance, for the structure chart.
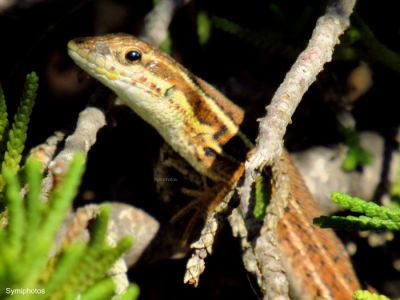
(199, 122)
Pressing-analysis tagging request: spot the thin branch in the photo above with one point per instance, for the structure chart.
(90, 121)
(195, 265)
(157, 21)
(45, 152)
(273, 282)
(289, 94)
(263, 259)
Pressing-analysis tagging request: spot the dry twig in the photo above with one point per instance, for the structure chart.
(90, 121)
(157, 21)
(264, 260)
(204, 244)
(46, 151)
(289, 94)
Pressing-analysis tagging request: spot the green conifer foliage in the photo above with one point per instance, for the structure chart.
(367, 295)
(28, 225)
(371, 215)
(79, 270)
(17, 134)
(3, 115)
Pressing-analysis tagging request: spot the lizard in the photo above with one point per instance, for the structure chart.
(199, 122)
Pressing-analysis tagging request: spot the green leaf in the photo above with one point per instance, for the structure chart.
(203, 27)
(262, 197)
(65, 266)
(3, 116)
(132, 293)
(373, 216)
(356, 223)
(101, 290)
(368, 208)
(100, 224)
(356, 155)
(367, 295)
(166, 45)
(17, 134)
(16, 221)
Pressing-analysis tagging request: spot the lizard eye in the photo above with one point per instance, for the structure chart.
(133, 55)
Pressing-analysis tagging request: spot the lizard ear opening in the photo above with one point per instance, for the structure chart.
(133, 56)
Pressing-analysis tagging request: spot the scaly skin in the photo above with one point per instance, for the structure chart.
(200, 123)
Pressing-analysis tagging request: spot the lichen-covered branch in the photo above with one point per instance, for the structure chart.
(89, 122)
(268, 266)
(45, 152)
(204, 244)
(289, 94)
(273, 280)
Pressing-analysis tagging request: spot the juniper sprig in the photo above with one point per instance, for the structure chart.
(372, 216)
(18, 132)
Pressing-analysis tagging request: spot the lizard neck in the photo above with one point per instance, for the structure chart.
(219, 143)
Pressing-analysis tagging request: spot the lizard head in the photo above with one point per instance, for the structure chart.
(115, 58)
(143, 77)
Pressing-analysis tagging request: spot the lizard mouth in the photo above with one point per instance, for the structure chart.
(95, 65)
(90, 61)
(81, 57)
(87, 56)
(76, 49)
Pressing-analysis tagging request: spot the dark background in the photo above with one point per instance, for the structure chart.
(33, 36)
